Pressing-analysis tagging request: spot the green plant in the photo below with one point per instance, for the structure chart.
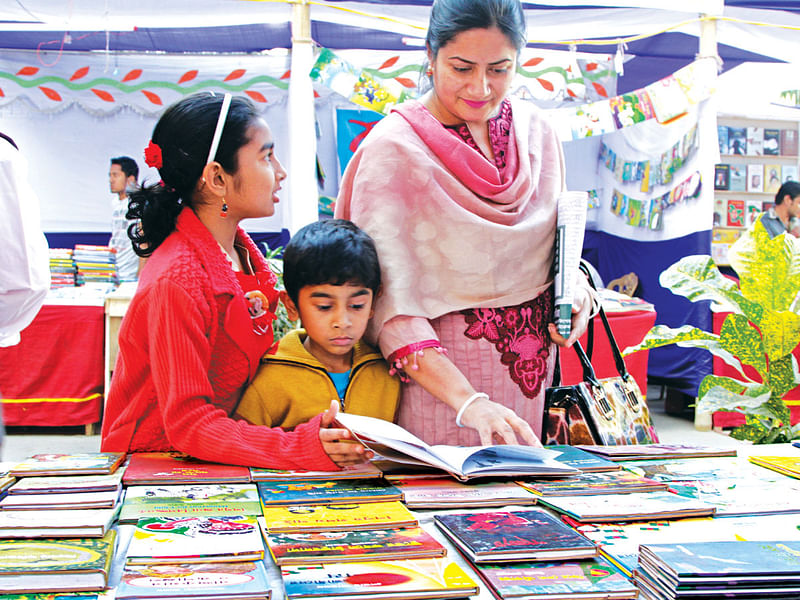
(282, 324)
(761, 331)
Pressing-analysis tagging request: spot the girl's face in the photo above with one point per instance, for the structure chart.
(259, 176)
(471, 75)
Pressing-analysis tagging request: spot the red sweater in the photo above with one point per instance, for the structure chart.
(187, 348)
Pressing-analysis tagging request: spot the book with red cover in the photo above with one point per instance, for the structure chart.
(148, 468)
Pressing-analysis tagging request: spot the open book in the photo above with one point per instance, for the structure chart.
(392, 442)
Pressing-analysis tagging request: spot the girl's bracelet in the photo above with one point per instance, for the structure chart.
(469, 401)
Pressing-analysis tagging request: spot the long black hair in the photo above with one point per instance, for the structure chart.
(183, 133)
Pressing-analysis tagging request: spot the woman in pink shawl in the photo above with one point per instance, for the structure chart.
(459, 190)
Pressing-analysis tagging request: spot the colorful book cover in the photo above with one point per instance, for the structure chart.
(352, 546)
(735, 213)
(424, 577)
(737, 140)
(752, 209)
(772, 141)
(591, 578)
(195, 539)
(629, 109)
(514, 536)
(447, 492)
(88, 463)
(654, 451)
(755, 177)
(189, 500)
(337, 517)
(195, 580)
(362, 471)
(617, 482)
(772, 178)
(738, 177)
(789, 142)
(604, 508)
(56, 565)
(755, 141)
(173, 467)
(67, 483)
(743, 496)
(722, 175)
(669, 100)
(722, 138)
(286, 493)
(789, 173)
(788, 465)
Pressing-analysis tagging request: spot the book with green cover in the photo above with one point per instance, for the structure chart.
(189, 500)
(87, 463)
(337, 517)
(585, 461)
(330, 491)
(48, 565)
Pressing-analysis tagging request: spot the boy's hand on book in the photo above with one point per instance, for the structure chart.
(339, 444)
(496, 423)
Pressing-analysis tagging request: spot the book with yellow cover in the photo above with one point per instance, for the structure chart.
(337, 517)
(788, 465)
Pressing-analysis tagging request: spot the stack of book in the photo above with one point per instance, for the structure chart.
(62, 268)
(95, 264)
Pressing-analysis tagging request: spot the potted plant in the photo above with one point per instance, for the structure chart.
(761, 331)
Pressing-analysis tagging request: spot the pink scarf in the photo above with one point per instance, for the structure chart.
(452, 230)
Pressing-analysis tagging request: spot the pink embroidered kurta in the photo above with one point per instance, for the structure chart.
(466, 250)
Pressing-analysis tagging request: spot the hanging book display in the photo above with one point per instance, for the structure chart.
(648, 212)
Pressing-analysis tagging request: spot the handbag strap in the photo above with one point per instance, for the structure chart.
(589, 375)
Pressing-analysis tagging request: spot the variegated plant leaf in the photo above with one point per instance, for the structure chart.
(778, 409)
(780, 332)
(718, 398)
(743, 341)
(697, 278)
(686, 336)
(768, 268)
(783, 375)
(751, 388)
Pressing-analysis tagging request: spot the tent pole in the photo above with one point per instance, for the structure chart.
(303, 193)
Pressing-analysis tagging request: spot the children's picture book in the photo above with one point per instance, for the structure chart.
(352, 546)
(752, 209)
(586, 462)
(772, 178)
(399, 580)
(788, 142)
(148, 468)
(80, 522)
(629, 109)
(50, 565)
(788, 465)
(330, 491)
(447, 493)
(165, 540)
(616, 482)
(362, 471)
(755, 141)
(202, 500)
(722, 174)
(563, 580)
(789, 173)
(737, 140)
(87, 463)
(743, 496)
(755, 177)
(656, 451)
(510, 536)
(51, 501)
(738, 177)
(392, 442)
(68, 484)
(772, 141)
(605, 508)
(337, 517)
(735, 213)
(203, 581)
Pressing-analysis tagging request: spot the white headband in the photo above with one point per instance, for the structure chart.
(223, 114)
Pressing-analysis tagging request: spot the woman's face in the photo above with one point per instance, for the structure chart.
(471, 75)
(258, 177)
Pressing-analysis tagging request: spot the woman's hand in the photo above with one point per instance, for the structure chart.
(496, 423)
(581, 312)
(338, 443)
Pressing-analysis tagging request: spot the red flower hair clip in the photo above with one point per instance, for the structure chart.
(152, 155)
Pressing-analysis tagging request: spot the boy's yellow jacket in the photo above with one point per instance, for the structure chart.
(291, 386)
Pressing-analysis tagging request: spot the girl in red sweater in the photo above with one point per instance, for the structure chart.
(202, 315)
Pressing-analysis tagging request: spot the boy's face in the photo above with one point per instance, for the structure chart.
(335, 318)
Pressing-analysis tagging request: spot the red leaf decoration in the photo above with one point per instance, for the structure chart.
(591, 66)
(316, 94)
(571, 93)
(533, 62)
(257, 96)
(235, 74)
(50, 93)
(154, 98)
(287, 74)
(79, 73)
(132, 74)
(404, 81)
(28, 71)
(103, 95)
(545, 84)
(188, 76)
(389, 62)
(600, 89)
(2, 94)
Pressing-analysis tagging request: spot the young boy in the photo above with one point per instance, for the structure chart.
(332, 276)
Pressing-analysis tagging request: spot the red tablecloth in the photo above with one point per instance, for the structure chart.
(629, 329)
(54, 376)
(732, 419)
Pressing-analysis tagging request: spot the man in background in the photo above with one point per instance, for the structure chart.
(784, 216)
(122, 177)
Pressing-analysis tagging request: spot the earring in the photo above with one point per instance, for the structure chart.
(224, 212)
(429, 71)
